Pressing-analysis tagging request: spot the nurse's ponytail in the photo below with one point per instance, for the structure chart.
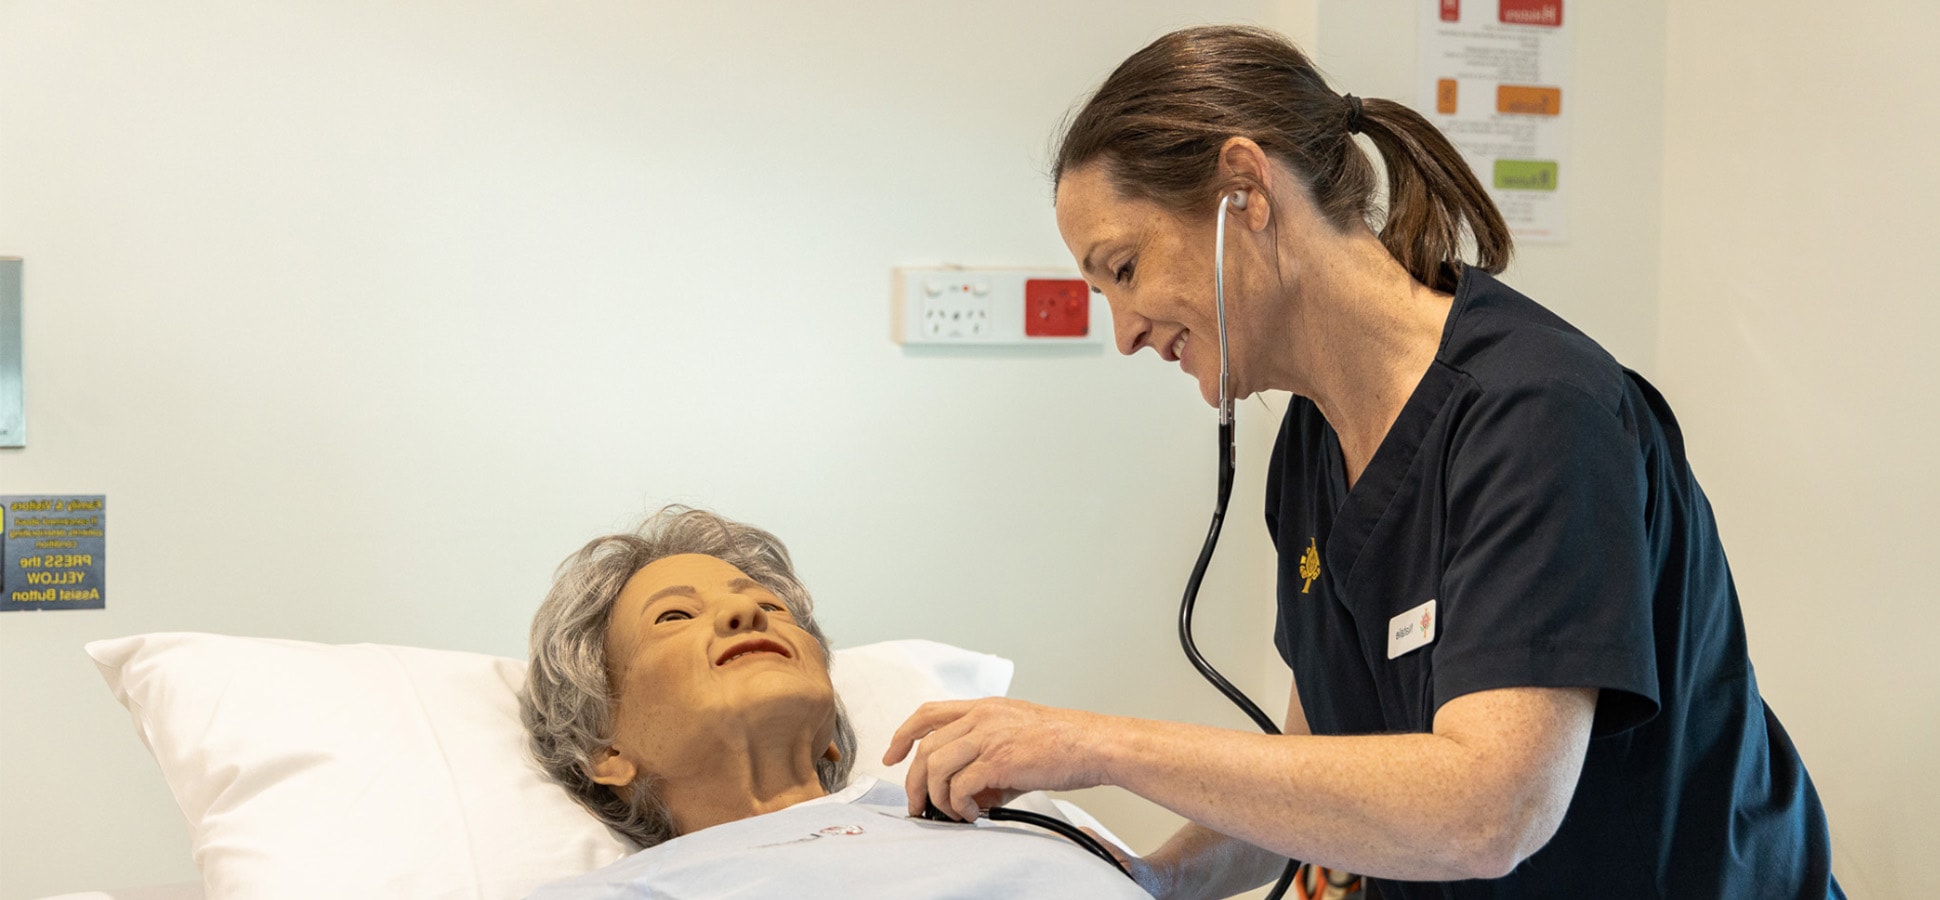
(1161, 119)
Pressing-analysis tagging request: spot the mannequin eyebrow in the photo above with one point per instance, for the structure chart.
(681, 590)
(738, 586)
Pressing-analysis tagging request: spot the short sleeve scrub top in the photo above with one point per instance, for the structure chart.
(1530, 520)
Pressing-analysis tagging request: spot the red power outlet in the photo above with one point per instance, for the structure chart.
(1056, 307)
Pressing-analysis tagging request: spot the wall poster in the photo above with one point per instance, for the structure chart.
(54, 550)
(1494, 75)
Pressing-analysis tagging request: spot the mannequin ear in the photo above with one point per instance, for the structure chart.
(833, 753)
(612, 769)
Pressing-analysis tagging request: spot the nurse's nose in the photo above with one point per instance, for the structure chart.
(738, 613)
(1129, 328)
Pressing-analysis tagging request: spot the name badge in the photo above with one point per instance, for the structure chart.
(1412, 630)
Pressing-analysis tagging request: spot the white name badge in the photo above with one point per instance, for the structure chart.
(1412, 630)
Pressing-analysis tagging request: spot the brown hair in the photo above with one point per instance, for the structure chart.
(1162, 117)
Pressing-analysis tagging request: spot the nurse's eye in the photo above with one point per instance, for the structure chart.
(1124, 272)
(672, 615)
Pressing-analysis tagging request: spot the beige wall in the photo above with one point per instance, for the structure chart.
(1798, 317)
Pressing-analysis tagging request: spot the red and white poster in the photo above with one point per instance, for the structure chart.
(1494, 77)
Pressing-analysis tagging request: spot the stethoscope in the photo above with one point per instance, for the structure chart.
(1235, 200)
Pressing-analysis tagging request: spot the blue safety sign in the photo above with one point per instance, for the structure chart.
(54, 550)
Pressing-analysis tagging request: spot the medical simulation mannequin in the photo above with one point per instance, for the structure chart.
(680, 689)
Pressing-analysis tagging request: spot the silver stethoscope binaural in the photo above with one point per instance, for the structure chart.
(1236, 200)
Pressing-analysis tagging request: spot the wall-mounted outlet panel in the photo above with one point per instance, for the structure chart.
(947, 305)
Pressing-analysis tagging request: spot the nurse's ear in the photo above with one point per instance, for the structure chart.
(1244, 176)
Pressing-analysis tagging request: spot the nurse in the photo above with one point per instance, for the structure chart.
(1519, 661)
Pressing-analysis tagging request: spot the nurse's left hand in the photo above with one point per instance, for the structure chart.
(980, 753)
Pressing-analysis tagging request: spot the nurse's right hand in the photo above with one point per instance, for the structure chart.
(977, 753)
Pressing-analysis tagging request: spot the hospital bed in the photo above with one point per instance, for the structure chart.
(366, 770)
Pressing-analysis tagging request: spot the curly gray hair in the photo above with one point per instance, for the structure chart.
(567, 704)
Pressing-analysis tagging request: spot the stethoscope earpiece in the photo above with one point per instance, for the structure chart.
(1239, 199)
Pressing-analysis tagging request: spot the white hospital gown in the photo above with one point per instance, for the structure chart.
(856, 843)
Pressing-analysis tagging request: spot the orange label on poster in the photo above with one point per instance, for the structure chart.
(1445, 96)
(1528, 101)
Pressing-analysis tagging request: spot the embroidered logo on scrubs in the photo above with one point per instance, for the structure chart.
(1310, 564)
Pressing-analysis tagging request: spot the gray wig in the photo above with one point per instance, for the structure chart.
(567, 705)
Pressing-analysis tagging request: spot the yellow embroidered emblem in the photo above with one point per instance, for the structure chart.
(1310, 564)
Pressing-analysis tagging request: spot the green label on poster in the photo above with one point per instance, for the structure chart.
(1525, 175)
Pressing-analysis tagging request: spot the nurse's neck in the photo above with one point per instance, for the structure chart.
(1365, 334)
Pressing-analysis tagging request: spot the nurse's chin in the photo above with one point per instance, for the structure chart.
(1209, 391)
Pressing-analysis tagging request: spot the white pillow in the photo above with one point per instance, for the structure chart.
(364, 770)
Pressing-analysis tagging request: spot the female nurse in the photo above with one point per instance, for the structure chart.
(1519, 664)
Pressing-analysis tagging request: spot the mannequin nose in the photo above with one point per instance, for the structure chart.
(740, 614)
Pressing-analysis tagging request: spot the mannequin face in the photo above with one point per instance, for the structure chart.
(706, 662)
(1155, 269)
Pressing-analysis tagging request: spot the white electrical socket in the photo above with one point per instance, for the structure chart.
(954, 305)
(954, 309)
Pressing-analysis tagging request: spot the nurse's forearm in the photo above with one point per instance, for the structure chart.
(1470, 801)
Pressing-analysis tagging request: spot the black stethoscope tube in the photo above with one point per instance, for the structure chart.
(1191, 599)
(1076, 835)
(1092, 845)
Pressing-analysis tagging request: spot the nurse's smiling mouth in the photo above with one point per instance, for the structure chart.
(750, 647)
(1174, 351)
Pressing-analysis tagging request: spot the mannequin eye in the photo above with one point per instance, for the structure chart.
(672, 615)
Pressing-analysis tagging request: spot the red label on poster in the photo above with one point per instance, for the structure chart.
(1451, 10)
(1529, 12)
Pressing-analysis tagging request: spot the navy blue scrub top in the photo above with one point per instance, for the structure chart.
(1537, 492)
